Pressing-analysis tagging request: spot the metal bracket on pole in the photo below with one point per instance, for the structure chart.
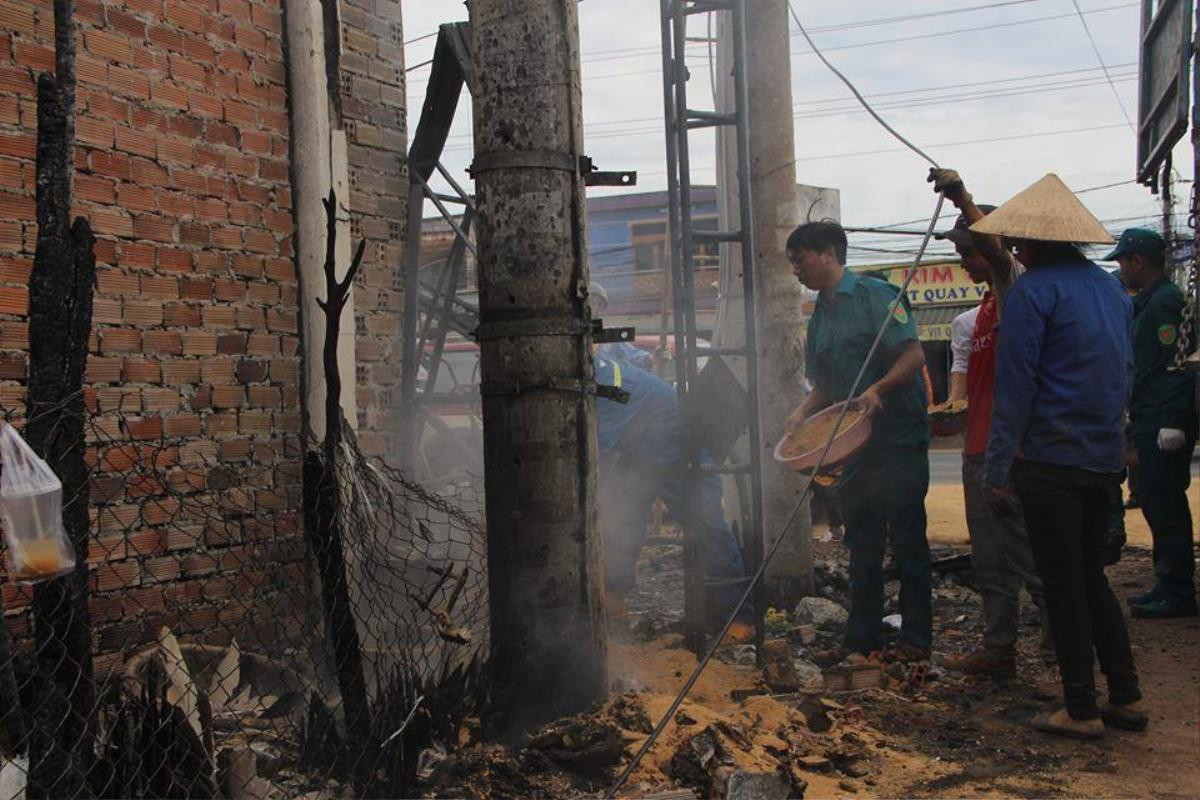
(566, 385)
(603, 335)
(519, 328)
(550, 159)
(523, 159)
(595, 177)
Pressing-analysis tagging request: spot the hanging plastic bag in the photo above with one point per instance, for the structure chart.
(31, 508)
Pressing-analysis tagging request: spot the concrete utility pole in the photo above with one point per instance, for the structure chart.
(778, 207)
(319, 163)
(544, 573)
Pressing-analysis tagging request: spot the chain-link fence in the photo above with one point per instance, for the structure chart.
(213, 667)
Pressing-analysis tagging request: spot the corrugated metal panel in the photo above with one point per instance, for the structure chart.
(939, 315)
(933, 322)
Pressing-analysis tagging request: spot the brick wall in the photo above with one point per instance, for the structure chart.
(372, 96)
(182, 169)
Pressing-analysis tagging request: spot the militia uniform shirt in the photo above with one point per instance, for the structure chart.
(840, 333)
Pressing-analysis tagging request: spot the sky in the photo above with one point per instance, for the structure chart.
(1002, 91)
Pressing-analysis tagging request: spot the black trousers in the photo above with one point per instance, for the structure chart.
(1162, 491)
(1067, 513)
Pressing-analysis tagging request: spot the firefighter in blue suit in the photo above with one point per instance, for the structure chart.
(641, 458)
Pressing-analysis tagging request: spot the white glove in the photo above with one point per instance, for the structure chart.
(1171, 439)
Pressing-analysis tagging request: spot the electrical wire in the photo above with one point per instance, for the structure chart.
(655, 131)
(616, 54)
(1103, 66)
(845, 26)
(876, 42)
(421, 38)
(600, 128)
(960, 143)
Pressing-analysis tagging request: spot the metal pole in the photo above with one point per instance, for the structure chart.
(751, 322)
(548, 649)
(679, 184)
(451, 273)
(1168, 203)
(410, 422)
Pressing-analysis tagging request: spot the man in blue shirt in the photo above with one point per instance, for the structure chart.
(641, 458)
(619, 351)
(1063, 373)
(1162, 415)
(882, 492)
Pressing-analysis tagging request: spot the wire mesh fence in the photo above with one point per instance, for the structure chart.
(212, 667)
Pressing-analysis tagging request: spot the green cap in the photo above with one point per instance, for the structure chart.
(1138, 242)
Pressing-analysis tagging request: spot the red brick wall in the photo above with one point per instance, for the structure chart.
(372, 95)
(182, 160)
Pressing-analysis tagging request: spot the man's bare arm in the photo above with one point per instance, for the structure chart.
(816, 400)
(907, 364)
(958, 387)
(949, 183)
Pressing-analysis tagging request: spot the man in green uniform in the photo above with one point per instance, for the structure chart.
(1163, 417)
(882, 491)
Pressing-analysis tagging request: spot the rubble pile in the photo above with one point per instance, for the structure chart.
(759, 745)
(792, 722)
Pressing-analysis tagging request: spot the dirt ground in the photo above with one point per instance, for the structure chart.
(972, 739)
(944, 506)
(925, 732)
(954, 737)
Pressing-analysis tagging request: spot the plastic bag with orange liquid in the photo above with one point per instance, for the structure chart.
(31, 510)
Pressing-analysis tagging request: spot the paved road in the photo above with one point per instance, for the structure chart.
(945, 466)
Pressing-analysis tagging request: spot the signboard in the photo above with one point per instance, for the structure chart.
(1163, 102)
(938, 284)
(938, 332)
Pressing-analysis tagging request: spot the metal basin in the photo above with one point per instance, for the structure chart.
(851, 437)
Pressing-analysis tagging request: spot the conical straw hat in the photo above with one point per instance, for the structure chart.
(1047, 211)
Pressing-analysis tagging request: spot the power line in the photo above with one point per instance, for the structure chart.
(421, 38)
(594, 56)
(872, 43)
(1016, 91)
(914, 37)
(1104, 186)
(968, 84)
(590, 128)
(854, 90)
(1103, 66)
(924, 15)
(957, 143)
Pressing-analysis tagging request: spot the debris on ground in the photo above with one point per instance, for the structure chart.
(822, 613)
(745, 732)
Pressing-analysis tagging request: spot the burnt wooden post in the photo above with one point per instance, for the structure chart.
(323, 512)
(544, 572)
(60, 320)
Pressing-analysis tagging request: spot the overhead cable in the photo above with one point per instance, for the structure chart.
(875, 42)
(1103, 66)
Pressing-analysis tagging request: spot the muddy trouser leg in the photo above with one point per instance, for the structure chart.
(1162, 491)
(1001, 561)
(723, 565)
(861, 500)
(1020, 560)
(1066, 513)
(626, 495)
(991, 568)
(829, 502)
